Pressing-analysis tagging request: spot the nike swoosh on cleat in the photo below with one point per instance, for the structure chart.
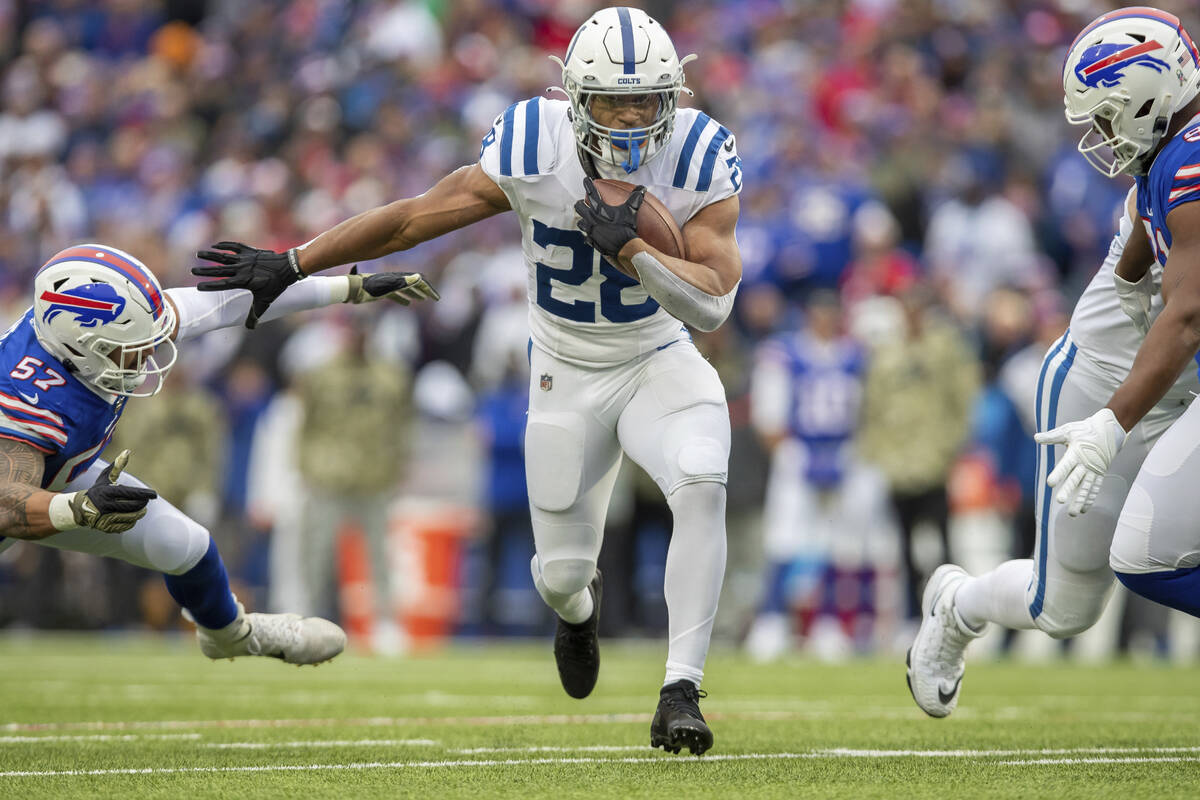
(946, 697)
(33, 401)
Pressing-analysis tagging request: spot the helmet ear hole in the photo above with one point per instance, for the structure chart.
(1144, 110)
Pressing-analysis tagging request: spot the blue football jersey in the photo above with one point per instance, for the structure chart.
(43, 405)
(826, 393)
(1174, 179)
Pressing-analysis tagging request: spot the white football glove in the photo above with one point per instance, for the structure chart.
(1092, 444)
(1134, 297)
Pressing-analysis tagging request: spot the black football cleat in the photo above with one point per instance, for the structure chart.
(678, 722)
(577, 648)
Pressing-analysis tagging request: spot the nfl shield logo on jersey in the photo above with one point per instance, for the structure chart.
(547, 382)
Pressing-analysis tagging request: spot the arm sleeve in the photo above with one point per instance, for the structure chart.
(201, 312)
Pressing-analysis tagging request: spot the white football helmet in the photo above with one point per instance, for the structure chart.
(1125, 75)
(622, 51)
(102, 313)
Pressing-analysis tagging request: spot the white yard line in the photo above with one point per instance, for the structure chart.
(1166, 760)
(99, 737)
(327, 743)
(662, 759)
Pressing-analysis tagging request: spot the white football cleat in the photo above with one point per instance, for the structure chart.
(935, 660)
(288, 637)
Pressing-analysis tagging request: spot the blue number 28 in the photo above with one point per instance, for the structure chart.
(583, 265)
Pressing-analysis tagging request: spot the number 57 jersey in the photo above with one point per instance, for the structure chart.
(582, 309)
(46, 407)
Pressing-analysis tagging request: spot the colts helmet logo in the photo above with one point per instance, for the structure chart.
(92, 304)
(1104, 64)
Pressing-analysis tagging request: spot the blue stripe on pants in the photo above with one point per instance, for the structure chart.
(1047, 452)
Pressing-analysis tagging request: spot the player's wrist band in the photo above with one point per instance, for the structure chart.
(61, 515)
(294, 261)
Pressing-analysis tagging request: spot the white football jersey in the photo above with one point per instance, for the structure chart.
(1102, 330)
(582, 309)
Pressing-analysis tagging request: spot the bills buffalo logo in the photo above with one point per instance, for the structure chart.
(1105, 64)
(92, 304)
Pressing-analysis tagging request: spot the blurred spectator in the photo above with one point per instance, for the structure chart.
(351, 449)
(916, 410)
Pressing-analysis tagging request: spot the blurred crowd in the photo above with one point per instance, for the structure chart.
(907, 171)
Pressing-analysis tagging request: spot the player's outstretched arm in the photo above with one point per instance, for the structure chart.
(197, 312)
(465, 196)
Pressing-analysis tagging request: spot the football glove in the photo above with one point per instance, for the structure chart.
(399, 287)
(1135, 297)
(108, 506)
(264, 272)
(1092, 444)
(608, 228)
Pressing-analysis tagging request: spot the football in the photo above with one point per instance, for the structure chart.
(654, 222)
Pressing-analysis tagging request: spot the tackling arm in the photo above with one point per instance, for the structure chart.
(464, 196)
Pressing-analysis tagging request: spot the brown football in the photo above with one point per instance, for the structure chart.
(654, 222)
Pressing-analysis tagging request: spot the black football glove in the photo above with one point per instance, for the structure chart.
(264, 272)
(608, 228)
(399, 287)
(108, 506)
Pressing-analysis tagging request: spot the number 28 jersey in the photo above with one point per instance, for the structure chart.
(582, 309)
(46, 407)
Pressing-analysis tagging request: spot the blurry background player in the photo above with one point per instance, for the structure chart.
(1065, 587)
(822, 503)
(612, 368)
(102, 330)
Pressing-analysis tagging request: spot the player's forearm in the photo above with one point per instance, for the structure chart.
(369, 235)
(202, 312)
(25, 512)
(679, 295)
(1166, 352)
(705, 278)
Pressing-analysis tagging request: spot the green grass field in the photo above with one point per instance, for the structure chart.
(94, 716)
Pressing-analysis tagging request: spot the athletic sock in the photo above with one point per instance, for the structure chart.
(997, 596)
(204, 591)
(695, 570)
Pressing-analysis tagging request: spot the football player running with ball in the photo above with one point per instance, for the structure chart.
(1132, 76)
(102, 330)
(613, 368)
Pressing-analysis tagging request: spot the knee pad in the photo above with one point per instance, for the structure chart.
(695, 448)
(566, 576)
(175, 544)
(1130, 551)
(554, 459)
(1065, 616)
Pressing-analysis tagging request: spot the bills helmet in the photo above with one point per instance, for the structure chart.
(622, 51)
(1125, 75)
(102, 313)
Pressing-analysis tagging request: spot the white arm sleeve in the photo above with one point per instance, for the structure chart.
(683, 301)
(200, 312)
